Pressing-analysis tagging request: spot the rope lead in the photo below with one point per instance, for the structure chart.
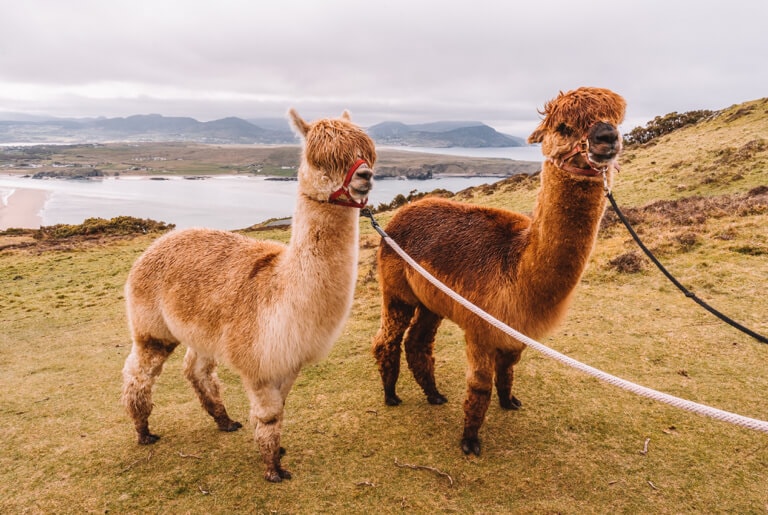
(688, 293)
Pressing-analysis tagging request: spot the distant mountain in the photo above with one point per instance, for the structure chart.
(19, 128)
(443, 126)
(144, 123)
(151, 127)
(275, 124)
(163, 128)
(442, 134)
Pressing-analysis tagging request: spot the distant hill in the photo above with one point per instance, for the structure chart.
(275, 124)
(441, 135)
(19, 128)
(150, 127)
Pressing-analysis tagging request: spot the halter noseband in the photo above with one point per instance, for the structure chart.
(342, 196)
(582, 147)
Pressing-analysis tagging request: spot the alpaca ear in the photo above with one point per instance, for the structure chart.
(345, 115)
(536, 136)
(300, 127)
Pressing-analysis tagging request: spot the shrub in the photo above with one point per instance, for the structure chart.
(628, 263)
(664, 125)
(118, 226)
(401, 200)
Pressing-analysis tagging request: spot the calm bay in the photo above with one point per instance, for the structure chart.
(223, 202)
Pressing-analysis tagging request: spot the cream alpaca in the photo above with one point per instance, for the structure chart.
(265, 308)
(520, 270)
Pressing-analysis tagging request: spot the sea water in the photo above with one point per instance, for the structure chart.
(221, 202)
(526, 153)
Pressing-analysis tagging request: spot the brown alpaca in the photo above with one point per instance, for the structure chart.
(521, 270)
(265, 308)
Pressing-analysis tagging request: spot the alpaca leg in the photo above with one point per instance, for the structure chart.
(419, 344)
(267, 403)
(142, 366)
(395, 317)
(201, 372)
(479, 385)
(505, 362)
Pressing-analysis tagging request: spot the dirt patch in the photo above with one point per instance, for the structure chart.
(751, 250)
(679, 225)
(687, 240)
(693, 211)
(735, 156)
(743, 111)
(630, 262)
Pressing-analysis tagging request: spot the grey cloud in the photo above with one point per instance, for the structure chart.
(493, 61)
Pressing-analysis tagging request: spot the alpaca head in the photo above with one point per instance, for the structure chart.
(580, 128)
(337, 162)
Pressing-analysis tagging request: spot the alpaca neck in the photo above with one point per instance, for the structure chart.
(563, 232)
(321, 257)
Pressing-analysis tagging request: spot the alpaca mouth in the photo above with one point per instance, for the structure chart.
(360, 192)
(584, 160)
(356, 185)
(602, 159)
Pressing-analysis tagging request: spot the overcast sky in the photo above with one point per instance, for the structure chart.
(412, 61)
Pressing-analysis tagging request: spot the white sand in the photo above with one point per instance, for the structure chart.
(23, 209)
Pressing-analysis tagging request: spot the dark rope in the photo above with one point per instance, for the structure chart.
(759, 337)
(688, 293)
(369, 214)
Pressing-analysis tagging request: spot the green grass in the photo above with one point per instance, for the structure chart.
(575, 447)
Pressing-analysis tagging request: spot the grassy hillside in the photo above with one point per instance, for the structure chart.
(577, 446)
(724, 154)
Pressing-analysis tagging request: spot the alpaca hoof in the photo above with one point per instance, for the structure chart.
(392, 400)
(513, 403)
(148, 439)
(470, 446)
(277, 476)
(437, 399)
(282, 451)
(230, 426)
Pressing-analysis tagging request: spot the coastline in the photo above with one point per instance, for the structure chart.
(23, 209)
(222, 202)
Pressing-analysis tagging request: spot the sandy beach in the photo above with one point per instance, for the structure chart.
(23, 209)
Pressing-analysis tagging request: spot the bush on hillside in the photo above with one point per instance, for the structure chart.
(401, 200)
(118, 226)
(664, 125)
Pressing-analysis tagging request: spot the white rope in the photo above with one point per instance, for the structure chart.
(701, 409)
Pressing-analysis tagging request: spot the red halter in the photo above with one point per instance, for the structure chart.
(342, 196)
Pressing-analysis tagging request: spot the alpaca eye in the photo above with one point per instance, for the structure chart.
(564, 130)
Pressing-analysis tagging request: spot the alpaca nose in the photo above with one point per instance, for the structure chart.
(604, 133)
(364, 173)
(362, 181)
(604, 141)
